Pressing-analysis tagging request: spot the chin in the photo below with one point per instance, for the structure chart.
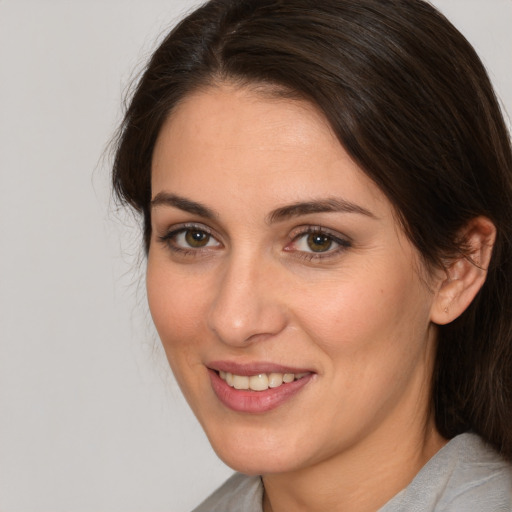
(255, 463)
(257, 452)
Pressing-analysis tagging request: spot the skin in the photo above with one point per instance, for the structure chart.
(359, 315)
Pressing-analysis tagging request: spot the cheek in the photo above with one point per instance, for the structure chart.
(374, 311)
(177, 309)
(374, 334)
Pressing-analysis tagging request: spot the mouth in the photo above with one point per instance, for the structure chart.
(260, 381)
(256, 388)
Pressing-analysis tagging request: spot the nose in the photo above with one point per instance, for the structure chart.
(246, 307)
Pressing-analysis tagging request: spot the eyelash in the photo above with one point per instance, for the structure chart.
(169, 240)
(342, 243)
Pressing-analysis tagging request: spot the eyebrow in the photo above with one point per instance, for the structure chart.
(182, 203)
(332, 204)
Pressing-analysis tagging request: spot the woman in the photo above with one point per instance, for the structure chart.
(326, 191)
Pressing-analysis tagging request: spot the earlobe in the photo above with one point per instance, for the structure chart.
(465, 276)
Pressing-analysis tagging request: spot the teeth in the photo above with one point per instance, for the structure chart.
(240, 382)
(259, 382)
(275, 380)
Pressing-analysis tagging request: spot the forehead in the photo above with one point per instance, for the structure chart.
(234, 118)
(277, 149)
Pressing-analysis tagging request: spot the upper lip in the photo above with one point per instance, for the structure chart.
(254, 368)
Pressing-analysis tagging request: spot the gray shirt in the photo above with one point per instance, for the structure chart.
(464, 476)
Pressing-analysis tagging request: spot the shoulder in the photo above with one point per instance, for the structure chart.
(464, 475)
(240, 492)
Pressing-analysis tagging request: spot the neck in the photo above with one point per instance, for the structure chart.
(361, 479)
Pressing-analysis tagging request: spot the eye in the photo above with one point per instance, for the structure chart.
(317, 242)
(189, 239)
(195, 238)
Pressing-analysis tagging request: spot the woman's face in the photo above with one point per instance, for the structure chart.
(274, 257)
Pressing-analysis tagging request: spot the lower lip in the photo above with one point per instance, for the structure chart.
(241, 400)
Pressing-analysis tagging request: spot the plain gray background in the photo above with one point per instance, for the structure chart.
(90, 418)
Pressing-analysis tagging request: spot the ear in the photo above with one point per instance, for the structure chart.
(464, 276)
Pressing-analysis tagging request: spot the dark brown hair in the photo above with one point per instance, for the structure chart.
(410, 100)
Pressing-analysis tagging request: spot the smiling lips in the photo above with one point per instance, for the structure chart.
(260, 381)
(251, 389)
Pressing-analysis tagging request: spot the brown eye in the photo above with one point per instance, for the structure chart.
(189, 239)
(319, 242)
(196, 238)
